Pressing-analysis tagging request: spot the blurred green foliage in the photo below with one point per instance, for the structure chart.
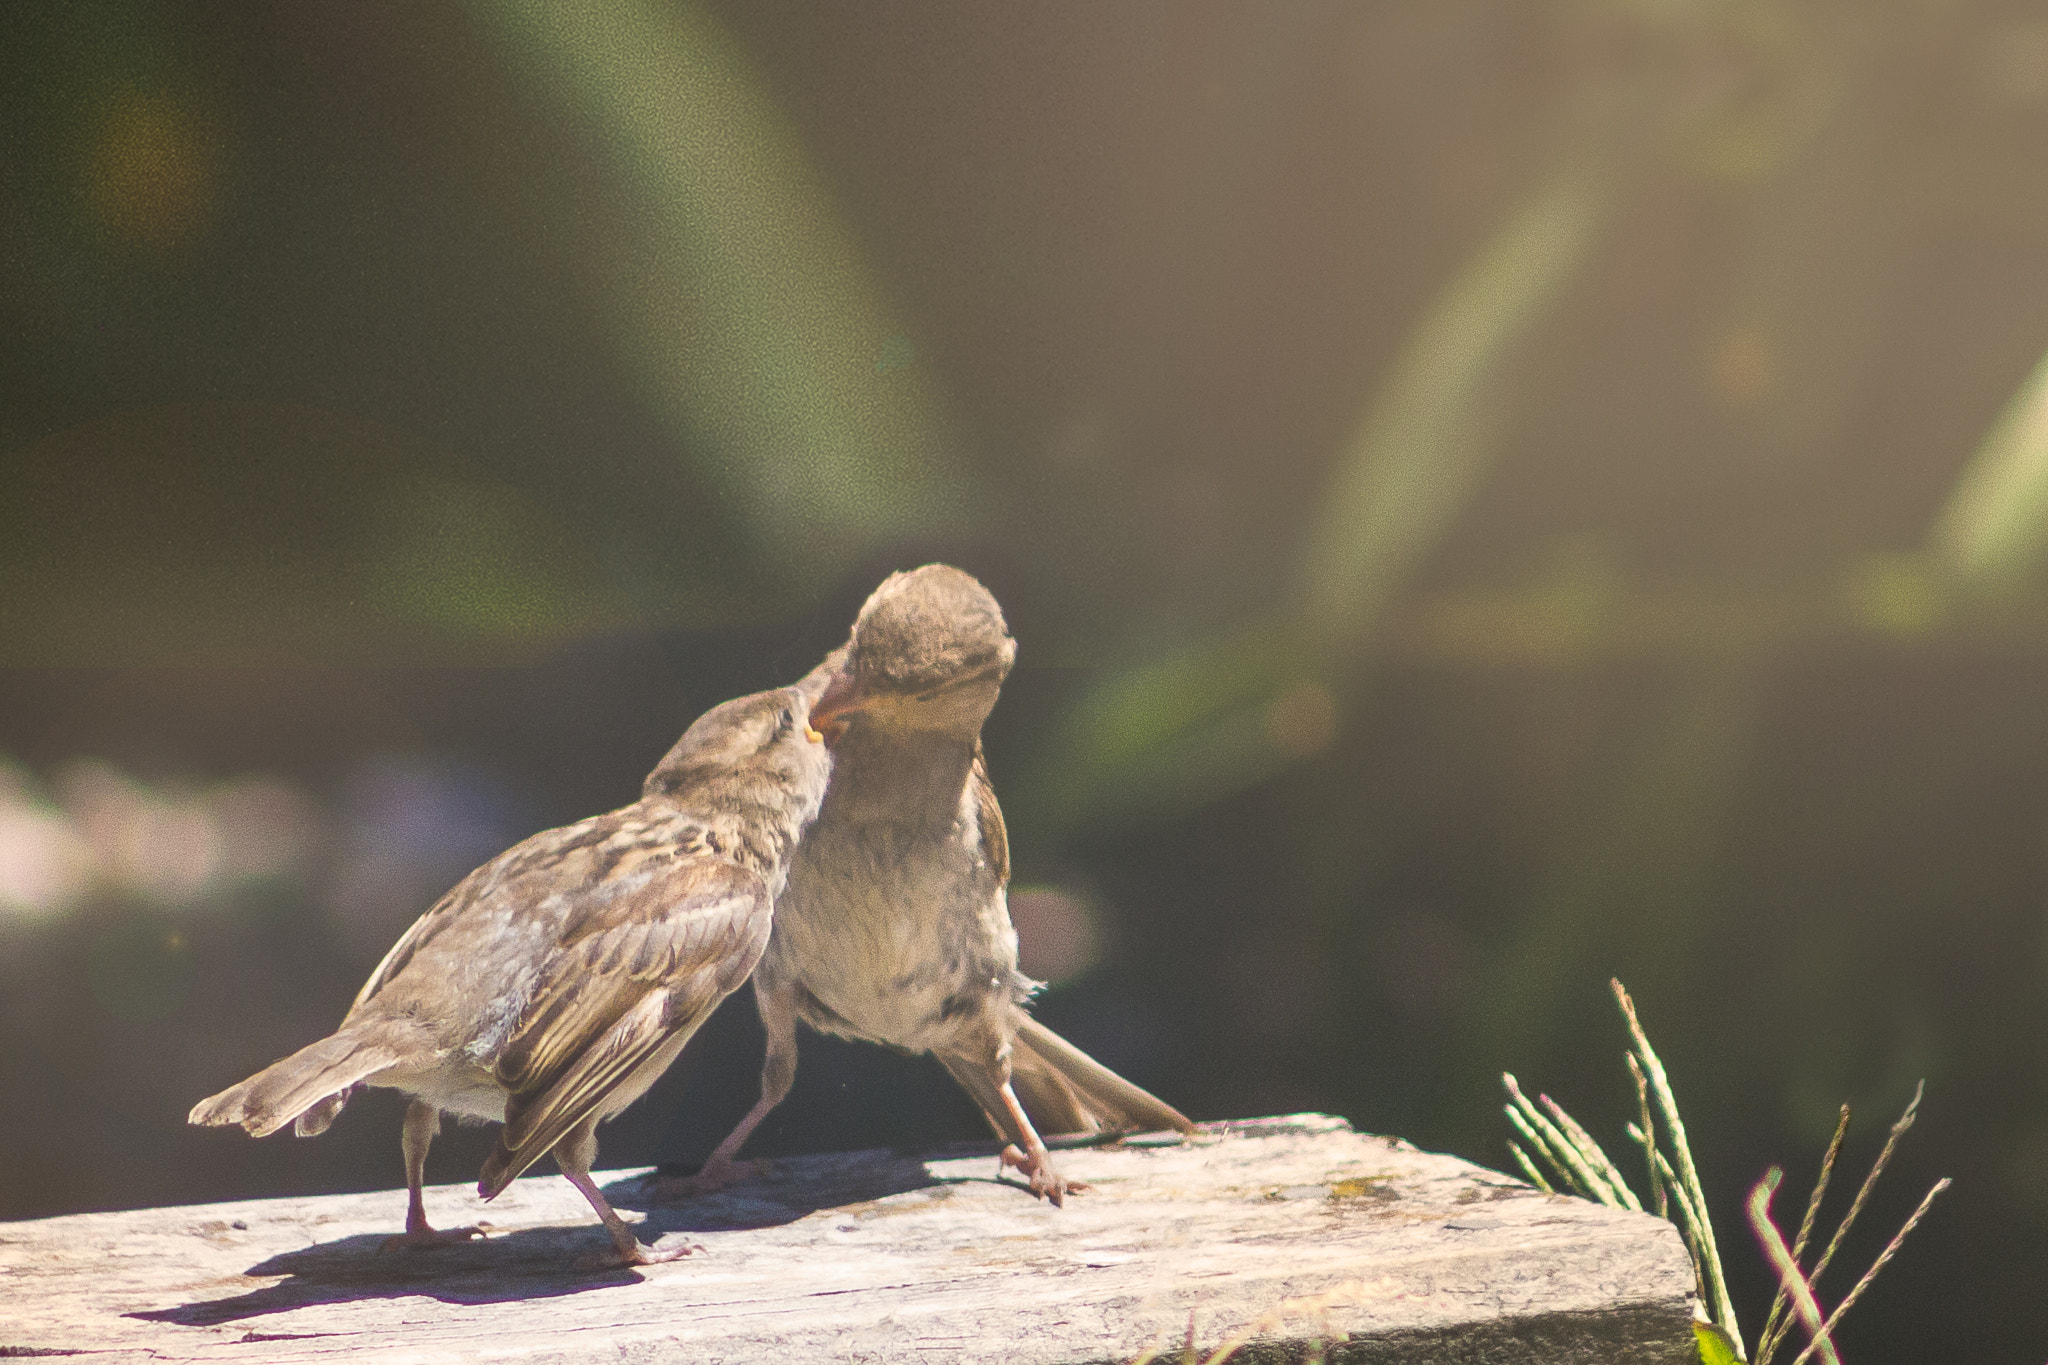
(741, 301)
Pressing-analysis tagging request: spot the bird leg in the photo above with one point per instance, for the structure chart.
(574, 1154)
(1033, 1162)
(778, 1074)
(422, 1121)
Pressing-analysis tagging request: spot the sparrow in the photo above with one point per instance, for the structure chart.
(553, 985)
(894, 927)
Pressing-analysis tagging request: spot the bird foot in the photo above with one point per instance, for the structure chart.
(716, 1175)
(1046, 1182)
(428, 1237)
(639, 1255)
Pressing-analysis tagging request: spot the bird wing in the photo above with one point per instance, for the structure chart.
(423, 930)
(577, 860)
(994, 838)
(632, 974)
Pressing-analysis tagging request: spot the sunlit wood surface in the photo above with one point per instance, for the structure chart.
(1292, 1228)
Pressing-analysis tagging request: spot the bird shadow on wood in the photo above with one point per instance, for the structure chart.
(531, 1263)
(546, 1262)
(785, 1191)
(792, 1187)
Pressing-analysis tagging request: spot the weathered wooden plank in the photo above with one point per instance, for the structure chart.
(885, 1257)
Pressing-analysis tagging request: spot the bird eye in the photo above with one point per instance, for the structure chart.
(785, 722)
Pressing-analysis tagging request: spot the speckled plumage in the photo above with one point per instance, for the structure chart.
(553, 985)
(895, 927)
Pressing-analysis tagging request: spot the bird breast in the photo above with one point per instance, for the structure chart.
(896, 929)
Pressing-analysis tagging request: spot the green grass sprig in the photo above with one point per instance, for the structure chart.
(1551, 1140)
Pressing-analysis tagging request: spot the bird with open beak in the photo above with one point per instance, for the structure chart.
(558, 981)
(894, 927)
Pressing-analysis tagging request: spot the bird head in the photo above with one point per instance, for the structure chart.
(929, 652)
(758, 749)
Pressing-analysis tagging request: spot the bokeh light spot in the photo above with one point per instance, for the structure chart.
(160, 846)
(1056, 934)
(45, 864)
(151, 169)
(175, 847)
(1744, 369)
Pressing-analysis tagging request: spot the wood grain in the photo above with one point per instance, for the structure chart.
(885, 1257)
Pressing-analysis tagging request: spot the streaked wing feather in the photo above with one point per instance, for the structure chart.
(411, 941)
(541, 853)
(628, 979)
(994, 838)
(532, 1129)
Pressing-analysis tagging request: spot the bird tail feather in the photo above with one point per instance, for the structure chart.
(1054, 1078)
(1063, 1089)
(309, 1086)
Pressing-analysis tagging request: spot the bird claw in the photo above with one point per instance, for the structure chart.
(1046, 1183)
(641, 1254)
(428, 1238)
(715, 1176)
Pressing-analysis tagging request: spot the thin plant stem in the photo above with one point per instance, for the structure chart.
(1776, 1325)
(1820, 1184)
(1648, 1134)
(1795, 1285)
(1595, 1155)
(1824, 1338)
(1689, 1220)
(1660, 1085)
(1579, 1163)
(1657, 1187)
(1863, 1192)
(1542, 1148)
(1543, 1135)
(1529, 1168)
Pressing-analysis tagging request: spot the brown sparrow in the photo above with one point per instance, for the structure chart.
(894, 927)
(557, 982)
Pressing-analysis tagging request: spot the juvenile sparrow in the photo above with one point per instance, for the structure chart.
(895, 928)
(557, 982)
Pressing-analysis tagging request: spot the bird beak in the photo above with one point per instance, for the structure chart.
(831, 712)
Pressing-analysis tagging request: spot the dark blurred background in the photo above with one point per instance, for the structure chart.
(1492, 495)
